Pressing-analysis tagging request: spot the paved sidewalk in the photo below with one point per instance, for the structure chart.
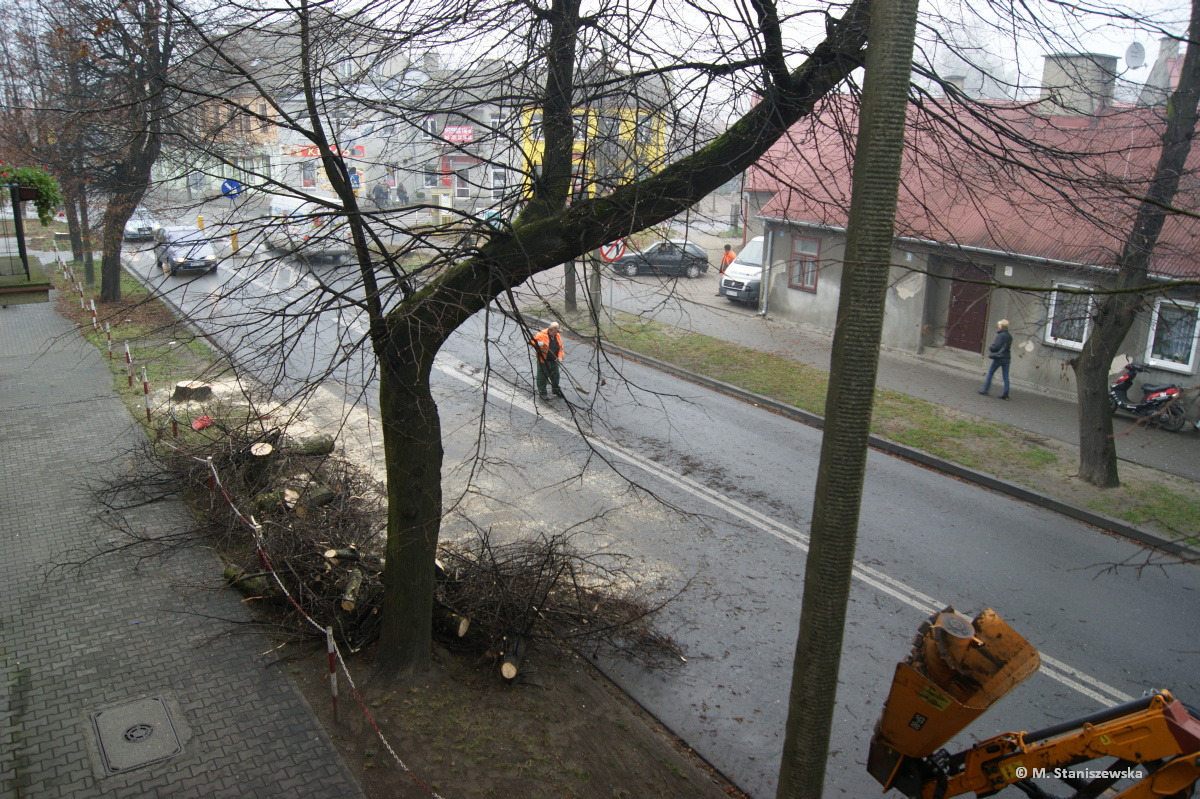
(114, 632)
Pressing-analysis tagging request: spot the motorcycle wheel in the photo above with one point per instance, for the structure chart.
(1172, 418)
(1112, 404)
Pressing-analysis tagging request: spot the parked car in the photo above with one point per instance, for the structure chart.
(183, 249)
(665, 257)
(141, 225)
(743, 278)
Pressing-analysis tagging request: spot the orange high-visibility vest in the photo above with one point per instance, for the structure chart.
(541, 341)
(727, 260)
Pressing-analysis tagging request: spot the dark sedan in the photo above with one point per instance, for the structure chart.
(183, 249)
(665, 257)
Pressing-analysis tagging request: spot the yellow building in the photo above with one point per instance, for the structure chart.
(617, 140)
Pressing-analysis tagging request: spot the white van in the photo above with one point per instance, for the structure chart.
(307, 228)
(743, 278)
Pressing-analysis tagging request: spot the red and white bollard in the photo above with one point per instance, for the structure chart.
(129, 364)
(95, 325)
(108, 339)
(146, 391)
(79, 288)
(332, 670)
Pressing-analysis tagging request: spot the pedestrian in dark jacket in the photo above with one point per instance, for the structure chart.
(1001, 354)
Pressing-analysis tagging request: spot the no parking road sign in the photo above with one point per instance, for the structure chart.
(613, 250)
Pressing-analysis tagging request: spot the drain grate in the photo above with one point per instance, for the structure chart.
(135, 734)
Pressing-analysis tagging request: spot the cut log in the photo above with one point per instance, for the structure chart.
(320, 496)
(450, 623)
(336, 555)
(290, 497)
(353, 589)
(257, 585)
(510, 659)
(315, 445)
(192, 391)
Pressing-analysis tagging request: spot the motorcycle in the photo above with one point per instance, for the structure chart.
(1159, 403)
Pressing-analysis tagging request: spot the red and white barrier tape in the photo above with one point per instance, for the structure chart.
(331, 645)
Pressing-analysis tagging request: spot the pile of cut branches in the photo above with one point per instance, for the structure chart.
(547, 589)
(323, 526)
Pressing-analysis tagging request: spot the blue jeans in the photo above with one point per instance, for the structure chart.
(997, 363)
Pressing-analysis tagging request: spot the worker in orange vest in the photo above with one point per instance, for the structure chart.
(548, 345)
(726, 260)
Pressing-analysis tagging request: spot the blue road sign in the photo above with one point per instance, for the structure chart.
(231, 188)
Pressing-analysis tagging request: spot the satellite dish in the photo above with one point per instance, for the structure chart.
(1135, 56)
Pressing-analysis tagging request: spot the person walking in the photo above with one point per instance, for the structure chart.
(1001, 354)
(726, 260)
(548, 344)
(380, 195)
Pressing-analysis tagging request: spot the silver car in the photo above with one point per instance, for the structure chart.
(183, 249)
(141, 225)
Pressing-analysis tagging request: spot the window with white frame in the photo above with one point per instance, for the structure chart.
(1173, 330)
(429, 125)
(499, 182)
(802, 269)
(1070, 317)
(462, 185)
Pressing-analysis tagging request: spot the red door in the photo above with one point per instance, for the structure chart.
(966, 321)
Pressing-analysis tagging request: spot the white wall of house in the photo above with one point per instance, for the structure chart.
(1048, 327)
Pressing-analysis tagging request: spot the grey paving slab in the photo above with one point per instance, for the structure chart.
(112, 631)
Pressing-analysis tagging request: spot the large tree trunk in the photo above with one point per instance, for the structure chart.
(412, 440)
(849, 400)
(72, 209)
(113, 237)
(86, 248)
(1116, 313)
(543, 236)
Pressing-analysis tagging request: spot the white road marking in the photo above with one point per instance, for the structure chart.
(1094, 689)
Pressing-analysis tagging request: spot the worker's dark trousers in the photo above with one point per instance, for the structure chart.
(547, 370)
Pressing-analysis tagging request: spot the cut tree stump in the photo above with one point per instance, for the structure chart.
(510, 659)
(192, 390)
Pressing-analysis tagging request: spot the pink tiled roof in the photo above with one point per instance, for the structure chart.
(1058, 188)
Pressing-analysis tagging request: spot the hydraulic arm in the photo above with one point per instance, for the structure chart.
(959, 668)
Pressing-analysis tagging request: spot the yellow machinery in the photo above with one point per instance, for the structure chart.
(958, 668)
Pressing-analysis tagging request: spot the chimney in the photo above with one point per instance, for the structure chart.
(1077, 84)
(1164, 76)
(957, 81)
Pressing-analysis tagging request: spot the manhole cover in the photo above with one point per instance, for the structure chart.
(135, 734)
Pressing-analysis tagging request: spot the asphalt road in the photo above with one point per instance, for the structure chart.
(732, 496)
(708, 492)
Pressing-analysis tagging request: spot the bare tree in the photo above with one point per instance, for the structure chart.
(1115, 314)
(317, 80)
(112, 60)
